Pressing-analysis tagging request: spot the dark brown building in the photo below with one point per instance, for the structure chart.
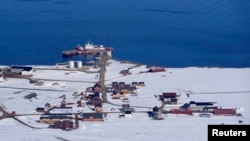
(63, 124)
(92, 117)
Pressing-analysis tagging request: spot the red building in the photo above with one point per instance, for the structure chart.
(95, 101)
(181, 111)
(225, 111)
(92, 117)
(63, 124)
(157, 70)
(169, 97)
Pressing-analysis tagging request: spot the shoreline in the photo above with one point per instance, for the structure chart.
(131, 62)
(228, 88)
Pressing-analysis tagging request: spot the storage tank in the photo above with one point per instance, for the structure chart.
(109, 52)
(79, 64)
(71, 64)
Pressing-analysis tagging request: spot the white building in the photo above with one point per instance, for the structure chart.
(1, 76)
(75, 64)
(22, 70)
(128, 114)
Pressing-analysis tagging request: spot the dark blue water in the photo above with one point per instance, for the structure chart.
(171, 33)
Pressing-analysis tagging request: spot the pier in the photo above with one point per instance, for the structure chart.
(81, 52)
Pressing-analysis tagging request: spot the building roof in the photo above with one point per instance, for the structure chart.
(202, 103)
(92, 115)
(40, 108)
(128, 112)
(155, 109)
(22, 67)
(63, 123)
(122, 83)
(60, 116)
(29, 96)
(97, 85)
(126, 86)
(186, 105)
(126, 106)
(95, 100)
(62, 107)
(124, 72)
(207, 108)
(169, 94)
(114, 83)
(47, 105)
(156, 69)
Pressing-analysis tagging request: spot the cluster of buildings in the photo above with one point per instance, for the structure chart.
(58, 117)
(203, 108)
(208, 107)
(120, 89)
(169, 98)
(63, 116)
(150, 70)
(94, 98)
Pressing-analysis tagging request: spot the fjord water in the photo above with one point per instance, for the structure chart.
(170, 33)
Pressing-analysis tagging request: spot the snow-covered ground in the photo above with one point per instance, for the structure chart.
(228, 87)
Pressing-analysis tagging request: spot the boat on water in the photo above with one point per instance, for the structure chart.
(79, 47)
(90, 46)
(88, 49)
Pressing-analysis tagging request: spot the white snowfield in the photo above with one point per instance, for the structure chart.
(228, 87)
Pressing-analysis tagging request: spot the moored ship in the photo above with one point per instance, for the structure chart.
(88, 49)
